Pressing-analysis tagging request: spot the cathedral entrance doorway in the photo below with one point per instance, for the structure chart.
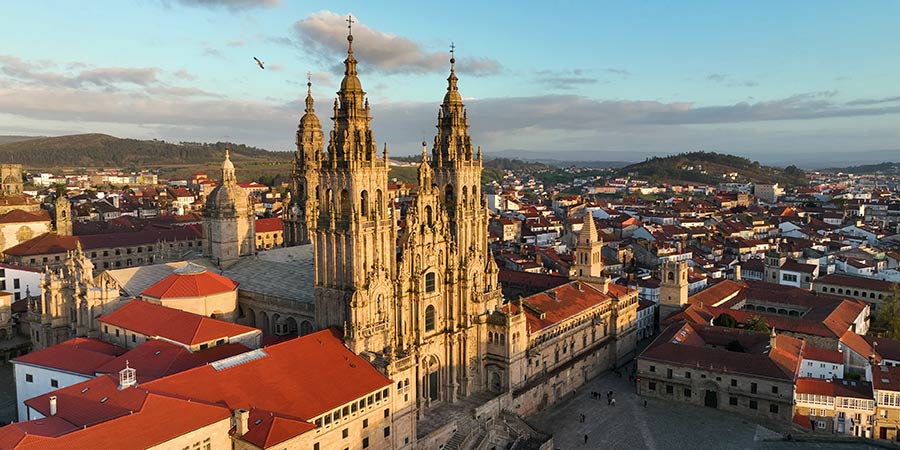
(712, 398)
(433, 386)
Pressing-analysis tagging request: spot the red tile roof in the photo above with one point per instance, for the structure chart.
(90, 402)
(277, 382)
(19, 216)
(50, 243)
(855, 282)
(886, 378)
(156, 359)
(173, 324)
(269, 225)
(24, 432)
(158, 420)
(534, 280)
(190, 281)
(686, 345)
(78, 355)
(273, 429)
(821, 354)
(558, 304)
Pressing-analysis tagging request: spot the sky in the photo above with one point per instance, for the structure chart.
(762, 79)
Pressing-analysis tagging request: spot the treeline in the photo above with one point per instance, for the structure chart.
(99, 150)
(676, 168)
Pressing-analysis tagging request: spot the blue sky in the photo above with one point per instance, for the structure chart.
(753, 78)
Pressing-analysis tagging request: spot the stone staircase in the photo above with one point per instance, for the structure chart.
(463, 431)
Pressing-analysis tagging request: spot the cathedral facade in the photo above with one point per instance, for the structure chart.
(417, 294)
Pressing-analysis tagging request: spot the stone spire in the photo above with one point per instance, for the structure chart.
(589, 231)
(228, 176)
(452, 142)
(310, 139)
(351, 138)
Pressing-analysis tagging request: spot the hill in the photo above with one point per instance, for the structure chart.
(8, 139)
(712, 168)
(886, 168)
(101, 150)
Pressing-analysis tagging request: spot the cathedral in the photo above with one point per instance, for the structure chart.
(417, 295)
(412, 290)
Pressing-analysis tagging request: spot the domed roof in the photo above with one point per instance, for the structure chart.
(191, 280)
(226, 196)
(227, 165)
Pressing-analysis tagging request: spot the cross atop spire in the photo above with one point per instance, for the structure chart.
(350, 23)
(452, 53)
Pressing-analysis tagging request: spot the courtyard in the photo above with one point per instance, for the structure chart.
(661, 425)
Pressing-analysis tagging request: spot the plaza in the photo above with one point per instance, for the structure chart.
(661, 425)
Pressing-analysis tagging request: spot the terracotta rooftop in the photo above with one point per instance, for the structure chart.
(173, 324)
(557, 304)
(79, 355)
(703, 347)
(156, 359)
(855, 282)
(272, 382)
(20, 216)
(50, 243)
(190, 280)
(269, 225)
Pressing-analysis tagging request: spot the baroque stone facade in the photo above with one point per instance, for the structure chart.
(416, 290)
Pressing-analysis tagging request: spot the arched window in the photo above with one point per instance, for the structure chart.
(465, 195)
(429, 282)
(345, 204)
(474, 194)
(379, 205)
(671, 276)
(429, 217)
(364, 203)
(429, 318)
(448, 194)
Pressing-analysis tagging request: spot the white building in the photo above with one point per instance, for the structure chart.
(822, 364)
(19, 281)
(56, 367)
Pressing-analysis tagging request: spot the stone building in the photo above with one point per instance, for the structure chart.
(725, 368)
(228, 220)
(11, 178)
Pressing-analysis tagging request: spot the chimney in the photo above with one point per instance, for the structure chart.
(52, 405)
(241, 421)
(737, 272)
(772, 339)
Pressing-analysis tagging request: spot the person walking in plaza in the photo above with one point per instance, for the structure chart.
(585, 439)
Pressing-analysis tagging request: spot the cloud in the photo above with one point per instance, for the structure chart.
(565, 79)
(235, 43)
(729, 80)
(622, 72)
(717, 77)
(233, 5)
(209, 51)
(106, 76)
(185, 75)
(36, 73)
(325, 33)
(275, 67)
(873, 101)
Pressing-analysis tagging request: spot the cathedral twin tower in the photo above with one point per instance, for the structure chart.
(416, 288)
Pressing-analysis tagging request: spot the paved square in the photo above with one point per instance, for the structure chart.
(661, 425)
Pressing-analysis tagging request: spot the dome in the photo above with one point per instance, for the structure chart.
(309, 121)
(227, 196)
(351, 83)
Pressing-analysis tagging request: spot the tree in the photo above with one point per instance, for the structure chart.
(887, 317)
(757, 323)
(725, 320)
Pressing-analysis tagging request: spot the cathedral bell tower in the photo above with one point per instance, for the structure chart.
(301, 214)
(588, 258)
(355, 237)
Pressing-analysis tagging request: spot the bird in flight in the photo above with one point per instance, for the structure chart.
(259, 63)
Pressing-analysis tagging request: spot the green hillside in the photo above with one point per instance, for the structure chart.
(100, 150)
(712, 168)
